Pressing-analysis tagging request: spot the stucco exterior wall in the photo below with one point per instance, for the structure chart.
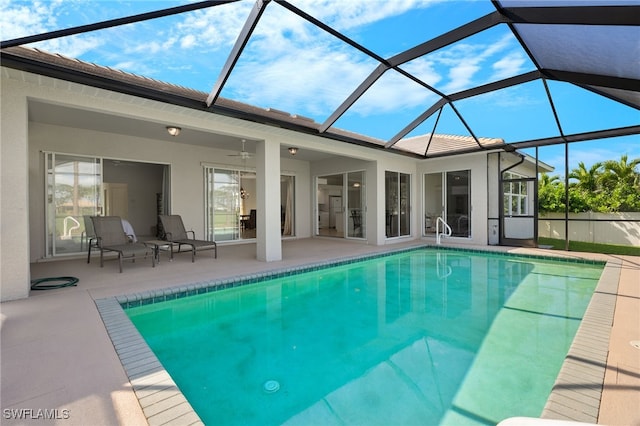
(477, 164)
(14, 204)
(23, 174)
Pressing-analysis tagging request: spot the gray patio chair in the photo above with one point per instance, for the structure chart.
(175, 232)
(88, 235)
(110, 236)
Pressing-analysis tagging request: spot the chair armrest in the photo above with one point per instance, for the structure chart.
(193, 234)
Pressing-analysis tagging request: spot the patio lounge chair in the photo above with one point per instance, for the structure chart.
(175, 232)
(88, 235)
(110, 236)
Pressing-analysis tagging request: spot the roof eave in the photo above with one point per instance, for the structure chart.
(33, 66)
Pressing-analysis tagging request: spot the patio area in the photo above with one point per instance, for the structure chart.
(57, 355)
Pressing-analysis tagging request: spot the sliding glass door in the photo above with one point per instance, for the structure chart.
(356, 205)
(222, 218)
(230, 204)
(73, 195)
(448, 195)
(397, 204)
(341, 205)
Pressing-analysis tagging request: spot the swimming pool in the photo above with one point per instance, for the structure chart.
(423, 336)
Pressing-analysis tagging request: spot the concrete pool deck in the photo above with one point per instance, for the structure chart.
(56, 354)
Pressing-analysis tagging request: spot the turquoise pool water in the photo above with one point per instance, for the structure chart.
(421, 337)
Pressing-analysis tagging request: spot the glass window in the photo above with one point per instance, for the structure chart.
(516, 198)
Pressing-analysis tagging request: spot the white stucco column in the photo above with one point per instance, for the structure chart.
(380, 237)
(268, 239)
(14, 200)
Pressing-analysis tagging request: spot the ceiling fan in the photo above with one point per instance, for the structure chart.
(242, 154)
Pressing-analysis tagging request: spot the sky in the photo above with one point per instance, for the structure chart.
(292, 66)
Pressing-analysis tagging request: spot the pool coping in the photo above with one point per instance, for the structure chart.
(576, 393)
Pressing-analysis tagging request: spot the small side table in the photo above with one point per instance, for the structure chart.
(159, 245)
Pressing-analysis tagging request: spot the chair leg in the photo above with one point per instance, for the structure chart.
(101, 258)
(193, 255)
(120, 261)
(89, 255)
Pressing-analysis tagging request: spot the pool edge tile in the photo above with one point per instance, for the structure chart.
(146, 372)
(583, 404)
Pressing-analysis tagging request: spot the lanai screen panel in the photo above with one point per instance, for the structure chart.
(384, 74)
(293, 66)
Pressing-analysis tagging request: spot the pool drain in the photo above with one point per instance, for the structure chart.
(271, 386)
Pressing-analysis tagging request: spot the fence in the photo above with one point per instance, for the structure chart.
(605, 228)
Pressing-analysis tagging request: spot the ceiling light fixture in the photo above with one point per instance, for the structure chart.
(173, 130)
(293, 150)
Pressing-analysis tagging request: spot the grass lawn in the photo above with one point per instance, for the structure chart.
(590, 247)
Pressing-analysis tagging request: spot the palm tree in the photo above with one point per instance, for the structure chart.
(588, 179)
(620, 172)
(547, 181)
(550, 193)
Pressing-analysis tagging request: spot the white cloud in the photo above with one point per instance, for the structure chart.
(463, 62)
(342, 15)
(24, 19)
(423, 69)
(393, 94)
(317, 70)
(508, 66)
(213, 27)
(301, 84)
(187, 41)
(20, 19)
(515, 97)
(461, 75)
(73, 46)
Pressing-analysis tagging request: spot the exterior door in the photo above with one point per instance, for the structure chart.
(356, 211)
(397, 204)
(519, 211)
(222, 204)
(341, 205)
(448, 195)
(73, 195)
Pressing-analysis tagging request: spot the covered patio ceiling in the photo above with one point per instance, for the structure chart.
(543, 52)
